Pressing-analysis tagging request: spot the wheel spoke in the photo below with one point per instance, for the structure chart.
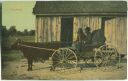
(68, 55)
(57, 57)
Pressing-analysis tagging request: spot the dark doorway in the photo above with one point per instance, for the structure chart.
(67, 30)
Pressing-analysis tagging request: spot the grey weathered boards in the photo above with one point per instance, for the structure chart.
(48, 29)
(110, 16)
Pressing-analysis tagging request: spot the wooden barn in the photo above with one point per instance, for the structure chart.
(60, 20)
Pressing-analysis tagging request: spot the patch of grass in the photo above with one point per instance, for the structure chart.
(11, 55)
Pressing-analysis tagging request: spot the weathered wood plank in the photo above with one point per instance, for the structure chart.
(39, 29)
(75, 25)
(51, 32)
(42, 30)
(36, 30)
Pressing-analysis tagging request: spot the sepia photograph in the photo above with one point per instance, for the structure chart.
(63, 40)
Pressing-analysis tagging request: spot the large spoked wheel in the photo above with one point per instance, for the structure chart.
(64, 58)
(98, 58)
(109, 54)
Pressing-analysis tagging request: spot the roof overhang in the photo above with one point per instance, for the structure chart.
(76, 8)
(83, 14)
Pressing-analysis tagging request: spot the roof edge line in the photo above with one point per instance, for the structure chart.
(58, 14)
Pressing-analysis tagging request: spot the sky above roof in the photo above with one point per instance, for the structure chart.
(19, 14)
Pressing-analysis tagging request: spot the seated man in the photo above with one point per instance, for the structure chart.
(98, 38)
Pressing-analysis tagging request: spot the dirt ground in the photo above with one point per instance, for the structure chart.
(17, 70)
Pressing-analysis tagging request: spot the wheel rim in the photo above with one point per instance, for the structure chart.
(98, 58)
(64, 58)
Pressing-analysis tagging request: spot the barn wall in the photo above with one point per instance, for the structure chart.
(94, 22)
(48, 29)
(116, 33)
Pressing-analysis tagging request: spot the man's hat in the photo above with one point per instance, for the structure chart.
(87, 28)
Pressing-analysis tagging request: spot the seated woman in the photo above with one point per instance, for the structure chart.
(83, 39)
(87, 39)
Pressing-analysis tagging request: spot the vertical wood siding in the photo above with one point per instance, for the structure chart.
(39, 28)
(116, 33)
(36, 33)
(48, 29)
(82, 21)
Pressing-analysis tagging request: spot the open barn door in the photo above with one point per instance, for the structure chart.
(67, 30)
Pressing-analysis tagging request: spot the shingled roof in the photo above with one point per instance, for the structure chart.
(79, 7)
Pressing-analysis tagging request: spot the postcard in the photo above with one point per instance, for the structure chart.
(63, 40)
